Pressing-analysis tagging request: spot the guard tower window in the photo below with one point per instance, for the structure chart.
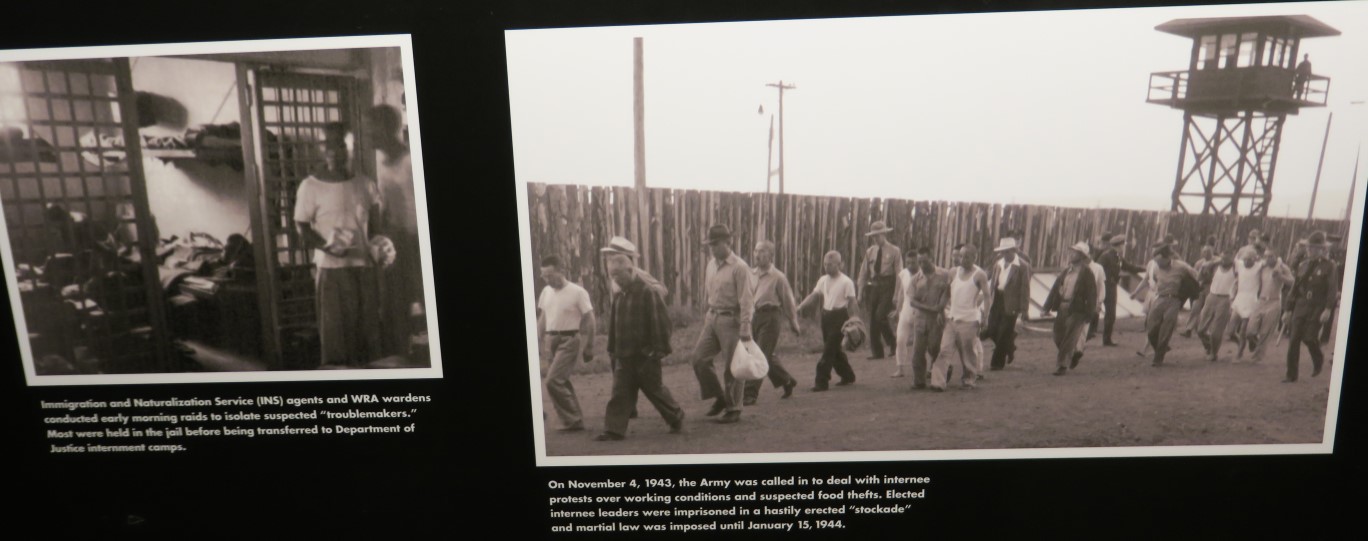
(1229, 48)
(1207, 53)
(1247, 42)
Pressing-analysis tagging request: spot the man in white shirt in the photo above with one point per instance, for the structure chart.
(836, 292)
(969, 293)
(336, 213)
(1216, 310)
(565, 315)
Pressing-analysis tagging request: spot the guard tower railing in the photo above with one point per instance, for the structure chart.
(1245, 88)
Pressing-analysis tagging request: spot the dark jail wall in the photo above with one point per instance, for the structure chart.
(669, 226)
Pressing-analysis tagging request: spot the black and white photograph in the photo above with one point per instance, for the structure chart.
(1117, 232)
(234, 211)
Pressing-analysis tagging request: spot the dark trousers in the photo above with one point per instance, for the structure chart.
(1109, 312)
(1067, 328)
(1304, 329)
(833, 357)
(765, 331)
(349, 315)
(1002, 330)
(879, 295)
(632, 375)
(926, 345)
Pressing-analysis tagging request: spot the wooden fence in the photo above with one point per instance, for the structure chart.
(669, 227)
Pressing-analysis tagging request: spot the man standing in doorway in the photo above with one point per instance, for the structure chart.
(567, 329)
(837, 294)
(969, 292)
(1074, 297)
(1011, 284)
(336, 213)
(877, 278)
(773, 306)
(638, 338)
(1112, 266)
(1312, 302)
(731, 305)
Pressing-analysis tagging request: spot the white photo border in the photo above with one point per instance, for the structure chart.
(1325, 446)
(405, 44)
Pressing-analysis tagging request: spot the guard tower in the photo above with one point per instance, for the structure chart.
(1241, 83)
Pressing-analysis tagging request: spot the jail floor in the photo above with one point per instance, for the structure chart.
(220, 360)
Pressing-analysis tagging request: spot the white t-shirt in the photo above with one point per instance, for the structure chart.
(563, 309)
(964, 295)
(1222, 281)
(330, 207)
(836, 292)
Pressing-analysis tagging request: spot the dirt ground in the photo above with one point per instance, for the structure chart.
(1113, 399)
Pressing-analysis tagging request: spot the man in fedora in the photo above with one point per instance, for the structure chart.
(1112, 265)
(731, 305)
(638, 338)
(1011, 287)
(877, 279)
(1315, 292)
(1074, 298)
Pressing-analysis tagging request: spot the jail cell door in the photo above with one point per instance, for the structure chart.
(291, 111)
(77, 216)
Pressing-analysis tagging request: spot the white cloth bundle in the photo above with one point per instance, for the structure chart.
(748, 362)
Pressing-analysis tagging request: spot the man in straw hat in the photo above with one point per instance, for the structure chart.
(969, 292)
(877, 278)
(1074, 297)
(1168, 276)
(638, 338)
(1312, 302)
(1112, 265)
(1011, 296)
(731, 305)
(837, 294)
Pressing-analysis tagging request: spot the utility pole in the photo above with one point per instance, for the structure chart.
(782, 87)
(639, 114)
(1316, 187)
(769, 159)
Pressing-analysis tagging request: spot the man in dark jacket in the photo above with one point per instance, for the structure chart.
(1312, 302)
(638, 338)
(1010, 280)
(1074, 297)
(1113, 265)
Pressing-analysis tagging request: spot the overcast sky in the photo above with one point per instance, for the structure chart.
(1039, 108)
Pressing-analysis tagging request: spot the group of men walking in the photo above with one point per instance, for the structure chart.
(920, 314)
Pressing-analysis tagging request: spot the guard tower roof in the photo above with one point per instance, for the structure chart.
(1298, 26)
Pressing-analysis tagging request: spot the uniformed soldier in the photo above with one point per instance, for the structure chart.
(1315, 292)
(1337, 255)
